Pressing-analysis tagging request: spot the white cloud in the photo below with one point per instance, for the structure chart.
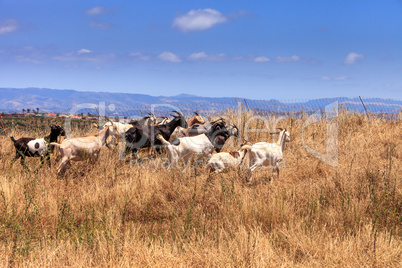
(287, 59)
(83, 51)
(198, 56)
(209, 57)
(198, 20)
(352, 58)
(261, 59)
(8, 26)
(98, 10)
(169, 56)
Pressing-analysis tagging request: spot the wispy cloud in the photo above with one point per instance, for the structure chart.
(199, 20)
(352, 58)
(208, 57)
(8, 26)
(25, 54)
(287, 59)
(98, 10)
(84, 55)
(139, 56)
(169, 56)
(337, 78)
(261, 59)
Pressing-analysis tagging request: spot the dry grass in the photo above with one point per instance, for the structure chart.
(117, 214)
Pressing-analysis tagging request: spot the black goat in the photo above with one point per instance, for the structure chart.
(144, 136)
(31, 147)
(198, 129)
(222, 134)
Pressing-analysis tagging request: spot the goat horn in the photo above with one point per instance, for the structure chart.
(196, 113)
(280, 129)
(177, 113)
(151, 114)
(272, 133)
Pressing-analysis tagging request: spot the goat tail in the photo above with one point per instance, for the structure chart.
(55, 144)
(12, 139)
(162, 139)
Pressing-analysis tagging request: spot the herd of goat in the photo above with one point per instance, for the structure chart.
(182, 139)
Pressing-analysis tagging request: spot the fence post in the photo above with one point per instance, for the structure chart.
(368, 116)
(245, 102)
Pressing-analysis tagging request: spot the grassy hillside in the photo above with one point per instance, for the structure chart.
(122, 214)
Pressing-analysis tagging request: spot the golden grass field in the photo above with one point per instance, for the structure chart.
(118, 214)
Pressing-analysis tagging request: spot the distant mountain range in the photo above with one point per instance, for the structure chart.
(52, 100)
(16, 99)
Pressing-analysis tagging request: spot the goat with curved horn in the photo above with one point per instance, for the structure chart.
(179, 113)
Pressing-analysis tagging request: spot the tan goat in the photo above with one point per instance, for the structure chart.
(82, 148)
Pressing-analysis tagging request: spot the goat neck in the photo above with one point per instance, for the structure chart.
(104, 134)
(282, 139)
(54, 134)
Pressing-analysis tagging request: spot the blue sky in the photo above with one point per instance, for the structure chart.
(254, 49)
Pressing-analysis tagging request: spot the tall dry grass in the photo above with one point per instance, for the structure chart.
(117, 214)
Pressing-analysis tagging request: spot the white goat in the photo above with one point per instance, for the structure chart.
(79, 149)
(264, 153)
(201, 145)
(185, 148)
(221, 161)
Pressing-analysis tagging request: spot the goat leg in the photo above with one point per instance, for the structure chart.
(22, 161)
(17, 155)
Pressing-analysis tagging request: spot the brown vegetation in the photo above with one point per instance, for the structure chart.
(117, 214)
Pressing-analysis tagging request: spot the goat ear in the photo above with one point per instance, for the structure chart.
(279, 128)
(272, 133)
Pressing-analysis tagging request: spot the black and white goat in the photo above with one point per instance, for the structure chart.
(31, 147)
